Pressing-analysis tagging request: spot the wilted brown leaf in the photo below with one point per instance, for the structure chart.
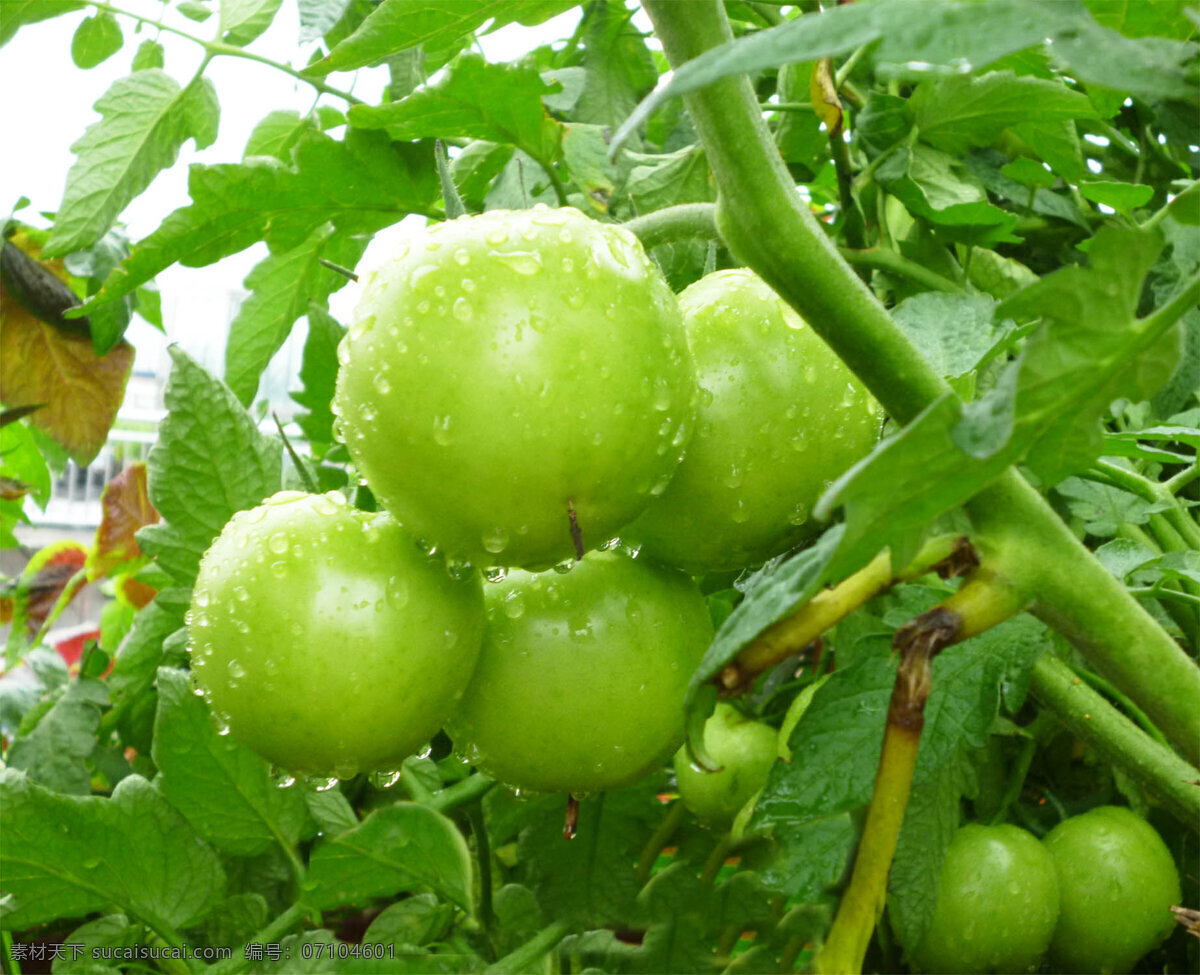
(81, 391)
(42, 582)
(125, 505)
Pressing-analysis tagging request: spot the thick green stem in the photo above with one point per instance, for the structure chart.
(1164, 775)
(767, 225)
(661, 837)
(688, 220)
(1072, 592)
(523, 958)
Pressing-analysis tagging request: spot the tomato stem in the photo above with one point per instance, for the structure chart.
(1156, 768)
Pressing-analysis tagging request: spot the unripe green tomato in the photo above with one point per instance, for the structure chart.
(1118, 882)
(997, 904)
(779, 418)
(582, 677)
(503, 366)
(745, 749)
(325, 639)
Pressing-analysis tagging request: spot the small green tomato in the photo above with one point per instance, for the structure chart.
(745, 750)
(325, 639)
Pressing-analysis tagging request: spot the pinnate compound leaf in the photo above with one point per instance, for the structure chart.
(941, 35)
(54, 752)
(318, 375)
(219, 785)
(81, 391)
(124, 509)
(209, 462)
(145, 119)
(955, 114)
(440, 27)
(396, 848)
(476, 100)
(360, 185)
(281, 287)
(96, 40)
(67, 856)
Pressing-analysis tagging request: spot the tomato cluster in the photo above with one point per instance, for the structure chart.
(518, 388)
(1095, 894)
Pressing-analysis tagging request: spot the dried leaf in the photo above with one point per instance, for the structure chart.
(126, 507)
(44, 579)
(824, 94)
(81, 391)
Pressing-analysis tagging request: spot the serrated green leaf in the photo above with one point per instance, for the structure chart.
(617, 66)
(417, 920)
(96, 40)
(54, 753)
(952, 332)
(1103, 508)
(278, 134)
(440, 27)
(476, 100)
(209, 462)
(318, 375)
(194, 10)
(592, 879)
(939, 188)
(220, 786)
(396, 848)
(68, 856)
(955, 114)
(146, 118)
(281, 288)
(114, 931)
(1151, 68)
(360, 185)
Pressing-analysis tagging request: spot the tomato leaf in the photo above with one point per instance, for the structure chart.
(955, 114)
(96, 40)
(210, 461)
(15, 14)
(318, 375)
(394, 849)
(278, 134)
(318, 16)
(219, 785)
(282, 286)
(145, 119)
(67, 856)
(55, 751)
(440, 28)
(360, 185)
(474, 99)
(242, 21)
(125, 507)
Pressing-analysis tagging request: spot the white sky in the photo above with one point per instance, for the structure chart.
(48, 104)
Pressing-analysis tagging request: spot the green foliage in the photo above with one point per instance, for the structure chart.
(1017, 189)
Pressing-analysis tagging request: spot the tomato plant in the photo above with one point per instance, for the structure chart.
(323, 639)
(538, 353)
(520, 281)
(576, 682)
(997, 903)
(1118, 882)
(753, 472)
(745, 750)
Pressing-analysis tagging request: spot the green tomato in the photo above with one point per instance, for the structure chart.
(744, 749)
(325, 639)
(581, 682)
(502, 367)
(996, 906)
(779, 418)
(1118, 882)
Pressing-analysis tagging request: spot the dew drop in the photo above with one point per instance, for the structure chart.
(462, 310)
(381, 384)
(441, 430)
(495, 540)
